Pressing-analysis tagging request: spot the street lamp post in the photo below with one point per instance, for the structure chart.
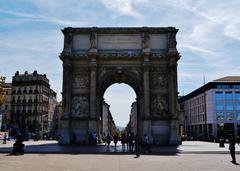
(43, 123)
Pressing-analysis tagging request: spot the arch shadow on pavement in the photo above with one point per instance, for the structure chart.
(55, 148)
(52, 147)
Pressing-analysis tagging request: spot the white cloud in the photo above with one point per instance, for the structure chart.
(122, 7)
(232, 30)
(197, 49)
(37, 18)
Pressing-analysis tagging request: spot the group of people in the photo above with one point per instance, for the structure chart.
(129, 141)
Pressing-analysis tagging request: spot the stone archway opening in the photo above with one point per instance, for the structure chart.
(119, 110)
(119, 76)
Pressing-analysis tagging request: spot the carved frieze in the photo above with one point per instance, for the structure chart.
(159, 105)
(80, 106)
(80, 80)
(160, 69)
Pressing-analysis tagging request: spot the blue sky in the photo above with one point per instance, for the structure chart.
(208, 37)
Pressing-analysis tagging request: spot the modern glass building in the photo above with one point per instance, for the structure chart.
(213, 110)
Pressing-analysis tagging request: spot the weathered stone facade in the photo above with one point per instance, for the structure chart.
(144, 58)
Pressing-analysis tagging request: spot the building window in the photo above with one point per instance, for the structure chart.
(219, 106)
(237, 95)
(229, 96)
(229, 116)
(223, 86)
(236, 86)
(220, 116)
(237, 105)
(229, 106)
(219, 95)
(238, 116)
(6, 107)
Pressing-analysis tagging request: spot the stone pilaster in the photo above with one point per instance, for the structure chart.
(174, 130)
(66, 120)
(146, 122)
(93, 91)
(67, 88)
(93, 122)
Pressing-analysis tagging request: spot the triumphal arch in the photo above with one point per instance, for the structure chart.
(143, 57)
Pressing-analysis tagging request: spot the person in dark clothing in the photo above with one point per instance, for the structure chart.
(115, 140)
(108, 140)
(137, 146)
(131, 144)
(123, 141)
(127, 141)
(18, 146)
(90, 140)
(232, 148)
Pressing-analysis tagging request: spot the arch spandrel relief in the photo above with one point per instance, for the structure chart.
(159, 105)
(159, 80)
(80, 80)
(80, 106)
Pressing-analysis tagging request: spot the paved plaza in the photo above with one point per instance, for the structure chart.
(187, 147)
(100, 162)
(48, 155)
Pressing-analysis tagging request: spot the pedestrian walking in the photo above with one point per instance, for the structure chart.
(137, 146)
(127, 141)
(123, 141)
(115, 140)
(131, 144)
(108, 140)
(90, 138)
(232, 148)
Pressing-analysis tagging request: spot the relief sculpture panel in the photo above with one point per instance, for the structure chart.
(159, 80)
(159, 105)
(80, 81)
(80, 106)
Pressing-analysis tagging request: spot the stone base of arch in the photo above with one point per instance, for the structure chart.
(161, 132)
